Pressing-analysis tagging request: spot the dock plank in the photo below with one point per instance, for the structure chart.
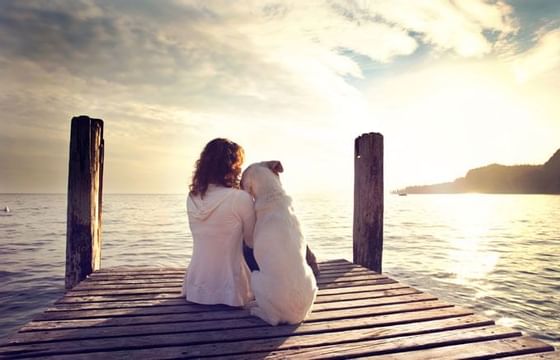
(220, 315)
(284, 337)
(486, 349)
(77, 298)
(109, 327)
(450, 318)
(90, 284)
(552, 355)
(59, 314)
(404, 344)
(180, 274)
(126, 289)
(131, 312)
(91, 305)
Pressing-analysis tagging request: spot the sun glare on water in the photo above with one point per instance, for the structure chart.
(469, 254)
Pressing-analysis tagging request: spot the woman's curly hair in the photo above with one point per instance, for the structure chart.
(220, 163)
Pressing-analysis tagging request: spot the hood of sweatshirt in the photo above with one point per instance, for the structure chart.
(201, 208)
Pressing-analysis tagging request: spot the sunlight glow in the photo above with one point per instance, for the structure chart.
(471, 258)
(444, 120)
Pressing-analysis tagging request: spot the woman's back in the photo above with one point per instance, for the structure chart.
(219, 222)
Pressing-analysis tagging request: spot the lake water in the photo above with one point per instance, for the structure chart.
(497, 254)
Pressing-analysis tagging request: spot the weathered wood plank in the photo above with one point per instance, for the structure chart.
(137, 273)
(246, 341)
(403, 346)
(195, 314)
(358, 286)
(336, 262)
(179, 275)
(125, 285)
(77, 306)
(146, 283)
(138, 269)
(339, 267)
(353, 270)
(419, 320)
(388, 291)
(419, 314)
(102, 312)
(344, 284)
(305, 347)
(131, 280)
(129, 276)
(152, 278)
(91, 305)
(551, 355)
(177, 289)
(382, 340)
(134, 270)
(480, 350)
(190, 312)
(143, 270)
(375, 301)
(58, 314)
(110, 298)
(87, 305)
(162, 290)
(138, 296)
(337, 278)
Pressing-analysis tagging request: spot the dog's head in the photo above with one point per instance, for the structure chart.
(262, 177)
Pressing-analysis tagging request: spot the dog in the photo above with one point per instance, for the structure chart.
(285, 285)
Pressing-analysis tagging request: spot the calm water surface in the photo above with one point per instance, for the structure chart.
(494, 253)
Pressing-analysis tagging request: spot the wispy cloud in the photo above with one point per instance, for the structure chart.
(542, 59)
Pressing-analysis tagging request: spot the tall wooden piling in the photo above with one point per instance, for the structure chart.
(85, 189)
(368, 201)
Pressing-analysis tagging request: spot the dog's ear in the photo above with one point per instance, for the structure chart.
(275, 166)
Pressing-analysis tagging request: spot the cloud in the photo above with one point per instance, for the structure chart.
(497, 16)
(444, 25)
(89, 42)
(542, 59)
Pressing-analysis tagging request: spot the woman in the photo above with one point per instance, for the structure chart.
(221, 217)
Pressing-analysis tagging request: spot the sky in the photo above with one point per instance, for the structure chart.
(451, 85)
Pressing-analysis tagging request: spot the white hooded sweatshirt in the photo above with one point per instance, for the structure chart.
(219, 222)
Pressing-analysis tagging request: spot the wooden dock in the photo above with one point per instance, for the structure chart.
(137, 313)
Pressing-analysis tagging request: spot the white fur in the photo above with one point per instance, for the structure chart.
(285, 287)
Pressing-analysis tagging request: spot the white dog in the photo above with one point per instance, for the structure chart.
(284, 287)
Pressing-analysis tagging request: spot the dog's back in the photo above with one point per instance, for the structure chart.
(285, 287)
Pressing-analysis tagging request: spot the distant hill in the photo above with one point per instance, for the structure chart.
(501, 179)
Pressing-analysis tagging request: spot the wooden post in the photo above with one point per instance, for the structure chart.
(368, 201)
(85, 189)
